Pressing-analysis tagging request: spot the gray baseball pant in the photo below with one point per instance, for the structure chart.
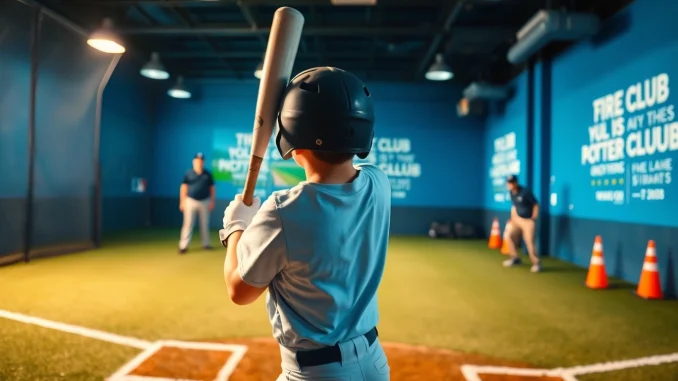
(523, 228)
(191, 208)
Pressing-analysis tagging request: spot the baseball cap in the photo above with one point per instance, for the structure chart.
(199, 155)
(512, 179)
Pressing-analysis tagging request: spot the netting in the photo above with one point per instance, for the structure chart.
(15, 85)
(58, 200)
(69, 73)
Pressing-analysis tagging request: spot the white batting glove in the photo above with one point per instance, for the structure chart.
(238, 216)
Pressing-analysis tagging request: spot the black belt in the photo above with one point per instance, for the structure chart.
(328, 355)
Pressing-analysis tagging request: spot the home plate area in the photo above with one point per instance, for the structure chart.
(259, 360)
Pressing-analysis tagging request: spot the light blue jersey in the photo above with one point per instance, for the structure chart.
(320, 249)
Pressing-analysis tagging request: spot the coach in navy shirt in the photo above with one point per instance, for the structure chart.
(524, 214)
(196, 195)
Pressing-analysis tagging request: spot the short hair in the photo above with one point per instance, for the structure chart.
(333, 157)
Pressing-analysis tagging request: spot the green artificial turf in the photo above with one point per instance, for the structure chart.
(447, 294)
(30, 353)
(668, 372)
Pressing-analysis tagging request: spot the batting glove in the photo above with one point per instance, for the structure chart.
(238, 216)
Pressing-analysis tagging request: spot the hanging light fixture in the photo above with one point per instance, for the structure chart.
(179, 90)
(105, 40)
(439, 71)
(259, 72)
(154, 69)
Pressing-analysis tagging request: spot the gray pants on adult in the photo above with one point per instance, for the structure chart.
(524, 228)
(191, 208)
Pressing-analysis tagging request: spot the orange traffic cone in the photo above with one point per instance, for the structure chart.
(495, 236)
(649, 286)
(505, 242)
(597, 277)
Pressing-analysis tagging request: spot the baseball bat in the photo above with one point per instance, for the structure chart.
(283, 43)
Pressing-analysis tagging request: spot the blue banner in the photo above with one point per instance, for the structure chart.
(505, 161)
(394, 155)
(629, 145)
(411, 161)
(625, 145)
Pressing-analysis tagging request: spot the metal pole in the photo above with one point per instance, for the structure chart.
(96, 226)
(35, 49)
(435, 44)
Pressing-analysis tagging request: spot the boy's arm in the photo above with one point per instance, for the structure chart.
(255, 255)
(240, 292)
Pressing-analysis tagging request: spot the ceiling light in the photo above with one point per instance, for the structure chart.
(179, 90)
(439, 71)
(154, 69)
(105, 40)
(259, 72)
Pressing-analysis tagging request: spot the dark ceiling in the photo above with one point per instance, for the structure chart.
(393, 40)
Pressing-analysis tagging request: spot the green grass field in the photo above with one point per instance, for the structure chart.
(446, 294)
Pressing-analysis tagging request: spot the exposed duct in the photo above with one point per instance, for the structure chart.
(482, 91)
(547, 26)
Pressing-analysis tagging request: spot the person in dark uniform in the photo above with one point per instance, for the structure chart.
(196, 195)
(524, 214)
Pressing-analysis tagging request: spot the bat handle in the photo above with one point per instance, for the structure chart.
(251, 181)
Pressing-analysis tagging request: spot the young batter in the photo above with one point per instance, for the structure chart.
(320, 247)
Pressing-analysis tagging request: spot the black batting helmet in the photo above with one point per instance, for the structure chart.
(326, 109)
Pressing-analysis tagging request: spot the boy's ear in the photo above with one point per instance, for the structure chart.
(300, 152)
(298, 156)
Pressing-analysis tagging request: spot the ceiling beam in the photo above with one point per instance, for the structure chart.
(249, 17)
(185, 19)
(147, 18)
(305, 62)
(221, 3)
(395, 74)
(238, 30)
(258, 55)
(319, 47)
(244, 31)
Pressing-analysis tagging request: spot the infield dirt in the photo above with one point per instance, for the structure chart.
(262, 363)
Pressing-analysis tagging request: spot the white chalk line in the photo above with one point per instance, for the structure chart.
(149, 348)
(624, 364)
(568, 377)
(237, 353)
(122, 373)
(147, 378)
(472, 372)
(77, 330)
